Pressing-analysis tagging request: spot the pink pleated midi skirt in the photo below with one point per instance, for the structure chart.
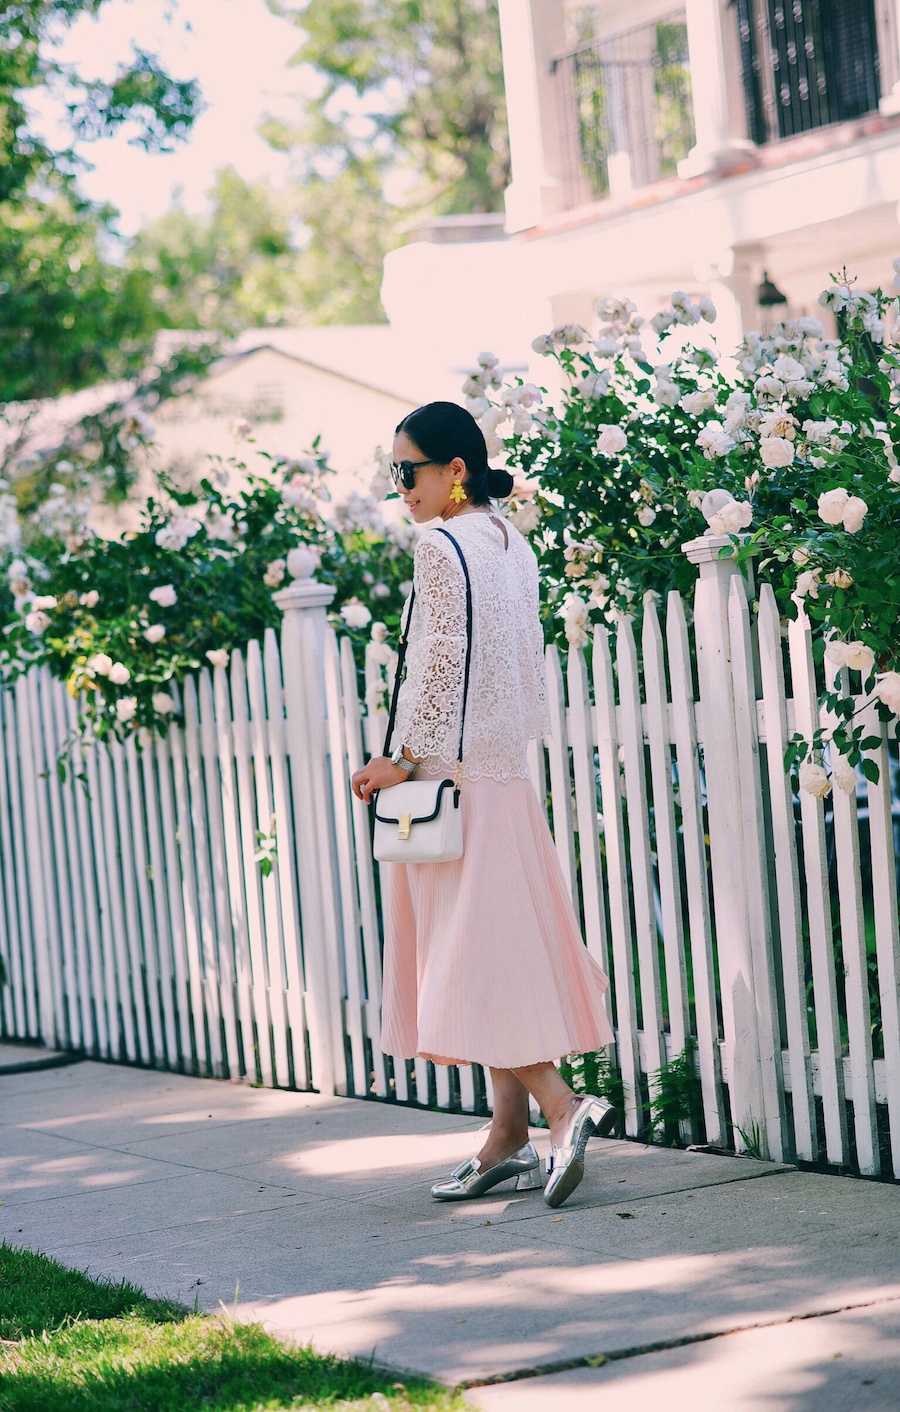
(484, 960)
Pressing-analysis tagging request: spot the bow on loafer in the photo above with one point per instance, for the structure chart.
(590, 1117)
(468, 1180)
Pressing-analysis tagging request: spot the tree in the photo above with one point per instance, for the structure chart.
(410, 120)
(245, 264)
(68, 314)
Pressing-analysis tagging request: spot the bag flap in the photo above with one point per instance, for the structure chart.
(420, 799)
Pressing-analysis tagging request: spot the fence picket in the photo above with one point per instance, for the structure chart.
(80, 787)
(359, 813)
(236, 900)
(177, 1038)
(787, 877)
(196, 847)
(582, 737)
(757, 890)
(136, 952)
(617, 878)
(62, 930)
(632, 736)
(560, 780)
(286, 871)
(246, 816)
(853, 953)
(144, 902)
(17, 943)
(818, 905)
(887, 927)
(687, 755)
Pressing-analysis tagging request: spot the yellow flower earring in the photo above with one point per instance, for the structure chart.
(457, 494)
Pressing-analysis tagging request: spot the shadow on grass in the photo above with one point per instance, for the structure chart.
(73, 1344)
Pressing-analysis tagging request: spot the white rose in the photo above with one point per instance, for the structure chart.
(800, 556)
(487, 360)
(887, 689)
(568, 335)
(666, 393)
(155, 633)
(543, 344)
(732, 518)
(37, 622)
(613, 310)
(100, 664)
(855, 512)
(831, 505)
(695, 498)
(776, 451)
(594, 384)
(611, 440)
(42, 602)
(839, 579)
(814, 780)
(119, 674)
(89, 599)
(525, 517)
(807, 585)
(778, 423)
(844, 775)
(607, 347)
(163, 703)
(126, 706)
(767, 386)
(646, 515)
(856, 655)
(165, 595)
(477, 406)
(218, 657)
(355, 614)
(275, 573)
(714, 440)
(696, 402)
(707, 308)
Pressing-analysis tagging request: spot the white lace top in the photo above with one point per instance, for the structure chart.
(507, 702)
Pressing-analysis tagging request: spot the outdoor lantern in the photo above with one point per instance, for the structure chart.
(768, 294)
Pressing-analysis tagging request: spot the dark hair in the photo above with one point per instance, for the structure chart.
(444, 430)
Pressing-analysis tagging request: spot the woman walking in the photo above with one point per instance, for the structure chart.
(484, 960)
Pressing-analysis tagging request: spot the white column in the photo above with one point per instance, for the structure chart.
(304, 604)
(532, 33)
(887, 18)
(723, 785)
(717, 93)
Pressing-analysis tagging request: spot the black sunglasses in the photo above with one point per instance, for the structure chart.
(404, 472)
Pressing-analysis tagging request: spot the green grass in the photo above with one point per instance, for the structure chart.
(74, 1344)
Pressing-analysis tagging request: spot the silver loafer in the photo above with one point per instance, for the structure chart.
(565, 1163)
(468, 1180)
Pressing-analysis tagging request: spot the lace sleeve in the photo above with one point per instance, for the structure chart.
(430, 700)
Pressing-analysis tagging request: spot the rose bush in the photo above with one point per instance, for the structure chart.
(790, 449)
(122, 621)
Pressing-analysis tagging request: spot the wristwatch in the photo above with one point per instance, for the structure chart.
(398, 758)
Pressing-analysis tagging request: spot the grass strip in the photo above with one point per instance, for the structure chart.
(75, 1344)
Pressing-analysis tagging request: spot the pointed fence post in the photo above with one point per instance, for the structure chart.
(304, 603)
(726, 846)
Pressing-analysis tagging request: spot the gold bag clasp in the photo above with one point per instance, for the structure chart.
(403, 830)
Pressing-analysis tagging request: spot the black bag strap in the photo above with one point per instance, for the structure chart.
(401, 659)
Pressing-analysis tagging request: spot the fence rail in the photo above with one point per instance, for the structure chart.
(138, 922)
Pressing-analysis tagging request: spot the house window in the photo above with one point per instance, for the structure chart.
(626, 106)
(806, 63)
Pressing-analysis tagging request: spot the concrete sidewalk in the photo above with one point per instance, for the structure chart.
(313, 1215)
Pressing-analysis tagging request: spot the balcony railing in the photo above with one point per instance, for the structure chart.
(806, 63)
(626, 109)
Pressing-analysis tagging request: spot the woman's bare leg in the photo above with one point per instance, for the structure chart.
(554, 1097)
(509, 1126)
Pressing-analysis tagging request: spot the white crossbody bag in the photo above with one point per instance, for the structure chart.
(420, 821)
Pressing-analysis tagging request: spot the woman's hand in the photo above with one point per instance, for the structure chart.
(379, 773)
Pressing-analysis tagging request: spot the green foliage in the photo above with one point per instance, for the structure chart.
(124, 621)
(83, 1345)
(68, 314)
(410, 120)
(675, 1096)
(791, 453)
(593, 1073)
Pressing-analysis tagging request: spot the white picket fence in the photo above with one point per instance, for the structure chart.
(137, 924)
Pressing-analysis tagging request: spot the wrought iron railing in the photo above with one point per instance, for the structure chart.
(806, 63)
(626, 109)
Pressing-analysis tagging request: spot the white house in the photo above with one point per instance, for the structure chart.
(658, 145)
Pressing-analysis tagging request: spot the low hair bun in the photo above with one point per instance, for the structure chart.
(500, 484)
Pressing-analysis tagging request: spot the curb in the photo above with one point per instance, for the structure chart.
(45, 1061)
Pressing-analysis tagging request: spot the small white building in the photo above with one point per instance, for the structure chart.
(658, 146)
